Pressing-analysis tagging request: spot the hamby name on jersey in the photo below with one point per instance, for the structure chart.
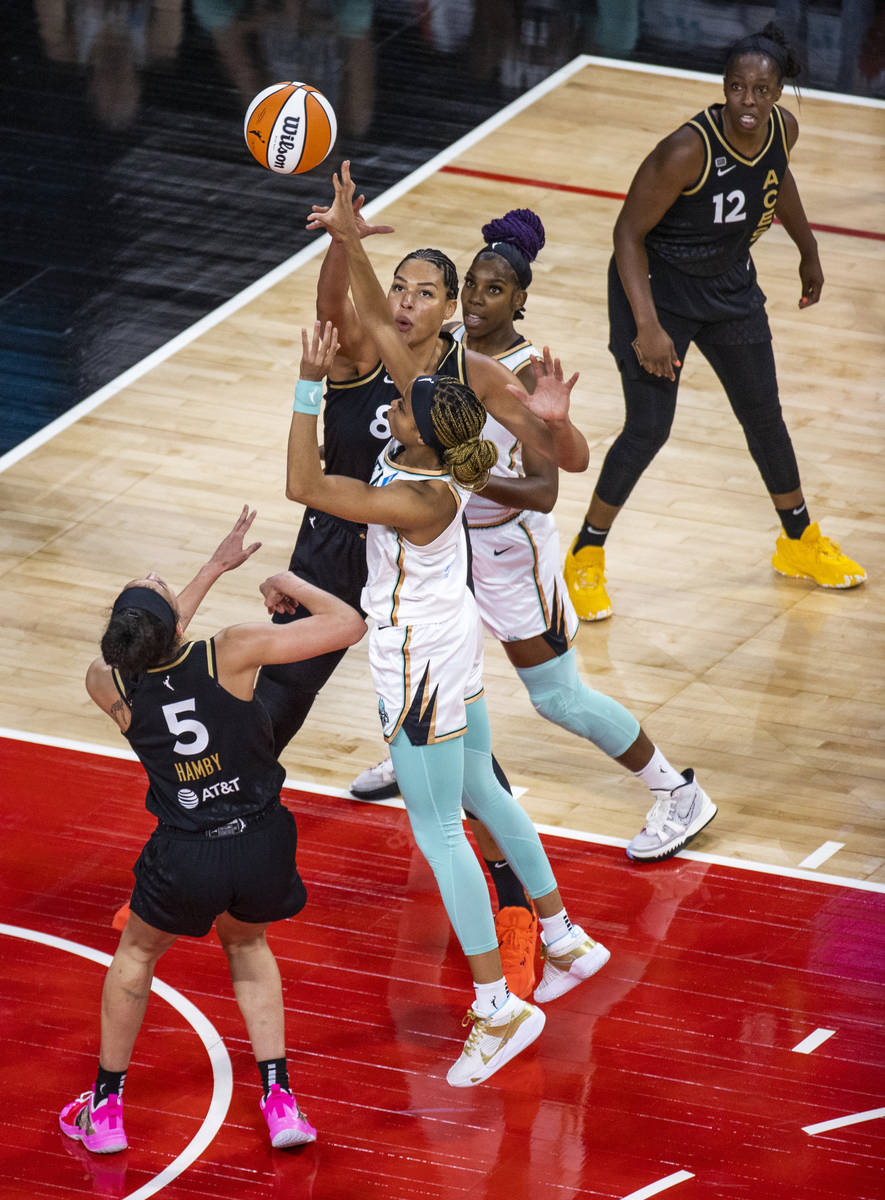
(200, 768)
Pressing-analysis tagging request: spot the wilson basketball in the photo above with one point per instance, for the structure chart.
(290, 128)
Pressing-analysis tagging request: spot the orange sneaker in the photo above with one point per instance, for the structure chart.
(517, 930)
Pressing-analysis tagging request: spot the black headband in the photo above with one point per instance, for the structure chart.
(759, 43)
(147, 600)
(422, 396)
(515, 257)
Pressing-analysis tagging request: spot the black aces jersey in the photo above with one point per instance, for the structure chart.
(355, 427)
(208, 756)
(712, 225)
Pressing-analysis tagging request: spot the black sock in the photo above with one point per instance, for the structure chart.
(588, 536)
(107, 1083)
(508, 888)
(274, 1070)
(794, 520)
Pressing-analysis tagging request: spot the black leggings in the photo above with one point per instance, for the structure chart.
(745, 370)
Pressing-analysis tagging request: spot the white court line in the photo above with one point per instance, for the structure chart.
(222, 1071)
(872, 1114)
(660, 1185)
(821, 854)
(162, 353)
(575, 835)
(813, 1041)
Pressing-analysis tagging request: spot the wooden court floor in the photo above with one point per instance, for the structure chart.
(771, 689)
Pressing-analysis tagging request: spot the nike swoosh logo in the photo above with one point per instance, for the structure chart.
(800, 509)
(720, 171)
(387, 379)
(504, 551)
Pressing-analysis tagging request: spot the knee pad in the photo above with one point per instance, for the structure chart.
(558, 693)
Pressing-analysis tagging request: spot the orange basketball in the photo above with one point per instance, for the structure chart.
(290, 128)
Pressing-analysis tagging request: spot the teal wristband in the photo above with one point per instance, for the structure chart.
(308, 396)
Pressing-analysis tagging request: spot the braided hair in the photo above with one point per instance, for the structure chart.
(458, 418)
(517, 237)
(771, 43)
(443, 264)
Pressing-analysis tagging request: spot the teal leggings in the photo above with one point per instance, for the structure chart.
(432, 780)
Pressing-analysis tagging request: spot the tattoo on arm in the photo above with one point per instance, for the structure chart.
(118, 711)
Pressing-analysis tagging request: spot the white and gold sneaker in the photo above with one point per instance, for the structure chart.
(494, 1040)
(568, 962)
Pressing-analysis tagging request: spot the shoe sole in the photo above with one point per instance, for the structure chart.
(591, 962)
(693, 830)
(597, 616)
(527, 1033)
(385, 793)
(80, 1137)
(292, 1137)
(848, 581)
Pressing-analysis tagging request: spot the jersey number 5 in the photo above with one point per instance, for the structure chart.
(736, 199)
(178, 726)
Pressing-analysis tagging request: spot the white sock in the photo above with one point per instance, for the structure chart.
(658, 775)
(556, 927)
(490, 996)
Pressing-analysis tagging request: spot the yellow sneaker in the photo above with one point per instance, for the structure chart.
(814, 556)
(584, 574)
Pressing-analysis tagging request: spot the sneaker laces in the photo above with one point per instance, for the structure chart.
(475, 1033)
(826, 548)
(661, 814)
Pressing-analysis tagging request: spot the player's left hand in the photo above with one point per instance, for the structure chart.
(552, 395)
(230, 552)
(811, 277)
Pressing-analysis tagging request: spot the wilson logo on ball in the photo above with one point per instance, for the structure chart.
(290, 128)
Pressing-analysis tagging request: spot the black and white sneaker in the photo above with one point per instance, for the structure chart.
(376, 783)
(673, 820)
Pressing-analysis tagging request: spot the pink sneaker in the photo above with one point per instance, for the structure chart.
(100, 1129)
(286, 1123)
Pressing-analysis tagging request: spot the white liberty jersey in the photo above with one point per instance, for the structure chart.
(409, 584)
(482, 512)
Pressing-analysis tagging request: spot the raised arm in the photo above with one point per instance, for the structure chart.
(368, 295)
(421, 510)
(332, 625)
(551, 404)
(227, 556)
(333, 299)
(673, 165)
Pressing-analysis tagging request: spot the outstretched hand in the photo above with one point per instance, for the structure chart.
(339, 219)
(230, 552)
(552, 395)
(364, 229)
(318, 352)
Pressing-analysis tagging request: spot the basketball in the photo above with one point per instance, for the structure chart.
(290, 128)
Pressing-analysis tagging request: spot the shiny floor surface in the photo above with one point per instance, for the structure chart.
(732, 1047)
(130, 205)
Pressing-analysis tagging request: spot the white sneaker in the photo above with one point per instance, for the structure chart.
(673, 820)
(494, 1040)
(567, 962)
(376, 783)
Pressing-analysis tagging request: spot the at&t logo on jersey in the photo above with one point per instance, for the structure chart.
(190, 799)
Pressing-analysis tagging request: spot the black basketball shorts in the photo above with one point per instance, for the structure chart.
(183, 881)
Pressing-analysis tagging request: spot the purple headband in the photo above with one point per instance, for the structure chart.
(422, 397)
(147, 600)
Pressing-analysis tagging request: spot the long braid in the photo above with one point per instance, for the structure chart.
(458, 418)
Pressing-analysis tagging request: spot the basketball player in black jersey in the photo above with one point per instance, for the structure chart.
(682, 273)
(223, 851)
